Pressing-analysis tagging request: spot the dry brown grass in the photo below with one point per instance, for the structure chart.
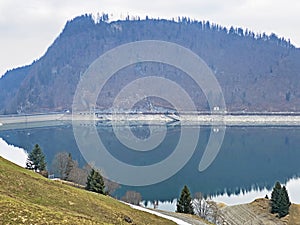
(29, 198)
(294, 216)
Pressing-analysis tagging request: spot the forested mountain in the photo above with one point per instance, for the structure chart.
(256, 72)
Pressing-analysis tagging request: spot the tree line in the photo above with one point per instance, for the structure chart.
(205, 26)
(68, 169)
(208, 210)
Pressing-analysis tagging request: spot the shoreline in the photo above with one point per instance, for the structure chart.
(185, 119)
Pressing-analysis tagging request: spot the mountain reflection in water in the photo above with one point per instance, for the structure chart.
(251, 158)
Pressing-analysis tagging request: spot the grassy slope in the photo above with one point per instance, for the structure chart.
(28, 198)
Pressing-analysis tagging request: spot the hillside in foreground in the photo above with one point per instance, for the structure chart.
(28, 198)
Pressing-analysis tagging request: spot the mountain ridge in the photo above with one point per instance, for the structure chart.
(255, 72)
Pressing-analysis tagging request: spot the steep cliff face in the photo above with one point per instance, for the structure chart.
(256, 73)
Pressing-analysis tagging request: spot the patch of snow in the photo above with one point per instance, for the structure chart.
(176, 220)
(292, 186)
(241, 198)
(14, 154)
(169, 206)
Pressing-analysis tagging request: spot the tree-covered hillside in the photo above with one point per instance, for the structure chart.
(257, 72)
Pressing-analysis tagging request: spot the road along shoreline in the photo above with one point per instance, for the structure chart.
(186, 119)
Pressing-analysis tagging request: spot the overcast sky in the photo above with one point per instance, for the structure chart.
(29, 27)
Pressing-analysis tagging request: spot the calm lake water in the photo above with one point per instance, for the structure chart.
(250, 159)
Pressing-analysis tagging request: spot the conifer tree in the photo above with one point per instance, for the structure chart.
(280, 202)
(36, 160)
(284, 203)
(184, 204)
(95, 182)
(275, 198)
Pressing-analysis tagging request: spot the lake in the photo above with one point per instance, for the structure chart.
(250, 158)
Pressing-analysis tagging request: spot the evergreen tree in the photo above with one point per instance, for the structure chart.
(184, 204)
(266, 197)
(275, 198)
(95, 182)
(280, 202)
(284, 203)
(36, 160)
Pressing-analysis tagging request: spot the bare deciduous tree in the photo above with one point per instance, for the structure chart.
(68, 169)
(132, 197)
(200, 205)
(110, 186)
(62, 164)
(206, 209)
(78, 175)
(213, 212)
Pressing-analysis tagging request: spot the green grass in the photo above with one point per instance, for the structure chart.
(29, 198)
